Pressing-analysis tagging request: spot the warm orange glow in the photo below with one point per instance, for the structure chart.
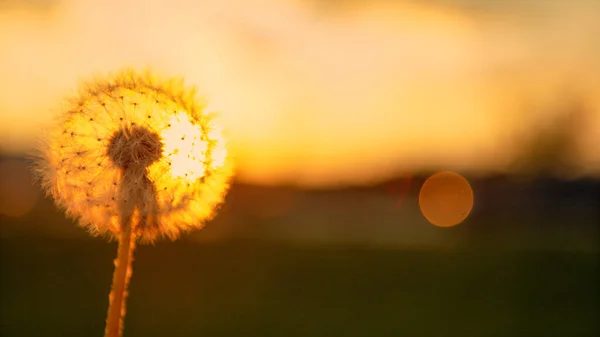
(219, 151)
(446, 199)
(321, 95)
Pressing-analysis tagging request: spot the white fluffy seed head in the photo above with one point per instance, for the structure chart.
(135, 139)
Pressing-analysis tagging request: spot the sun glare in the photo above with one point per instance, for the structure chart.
(185, 147)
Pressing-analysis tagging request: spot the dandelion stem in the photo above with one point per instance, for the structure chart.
(121, 277)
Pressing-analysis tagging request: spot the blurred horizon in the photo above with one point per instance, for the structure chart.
(334, 93)
(537, 212)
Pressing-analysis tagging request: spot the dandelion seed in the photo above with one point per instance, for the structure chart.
(151, 180)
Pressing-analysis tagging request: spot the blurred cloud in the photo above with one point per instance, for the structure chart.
(324, 94)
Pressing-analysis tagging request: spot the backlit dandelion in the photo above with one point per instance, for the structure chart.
(135, 157)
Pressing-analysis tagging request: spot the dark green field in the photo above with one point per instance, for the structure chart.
(333, 263)
(59, 287)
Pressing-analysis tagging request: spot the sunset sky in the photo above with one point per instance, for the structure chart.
(322, 94)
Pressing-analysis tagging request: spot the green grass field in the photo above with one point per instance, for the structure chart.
(59, 287)
(333, 263)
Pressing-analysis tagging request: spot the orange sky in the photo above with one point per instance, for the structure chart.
(321, 95)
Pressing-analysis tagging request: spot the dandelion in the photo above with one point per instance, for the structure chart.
(134, 157)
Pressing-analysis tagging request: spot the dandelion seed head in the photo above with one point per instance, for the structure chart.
(137, 141)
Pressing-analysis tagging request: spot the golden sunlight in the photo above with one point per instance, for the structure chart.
(184, 146)
(303, 90)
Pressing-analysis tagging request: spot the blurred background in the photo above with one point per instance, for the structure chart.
(403, 167)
